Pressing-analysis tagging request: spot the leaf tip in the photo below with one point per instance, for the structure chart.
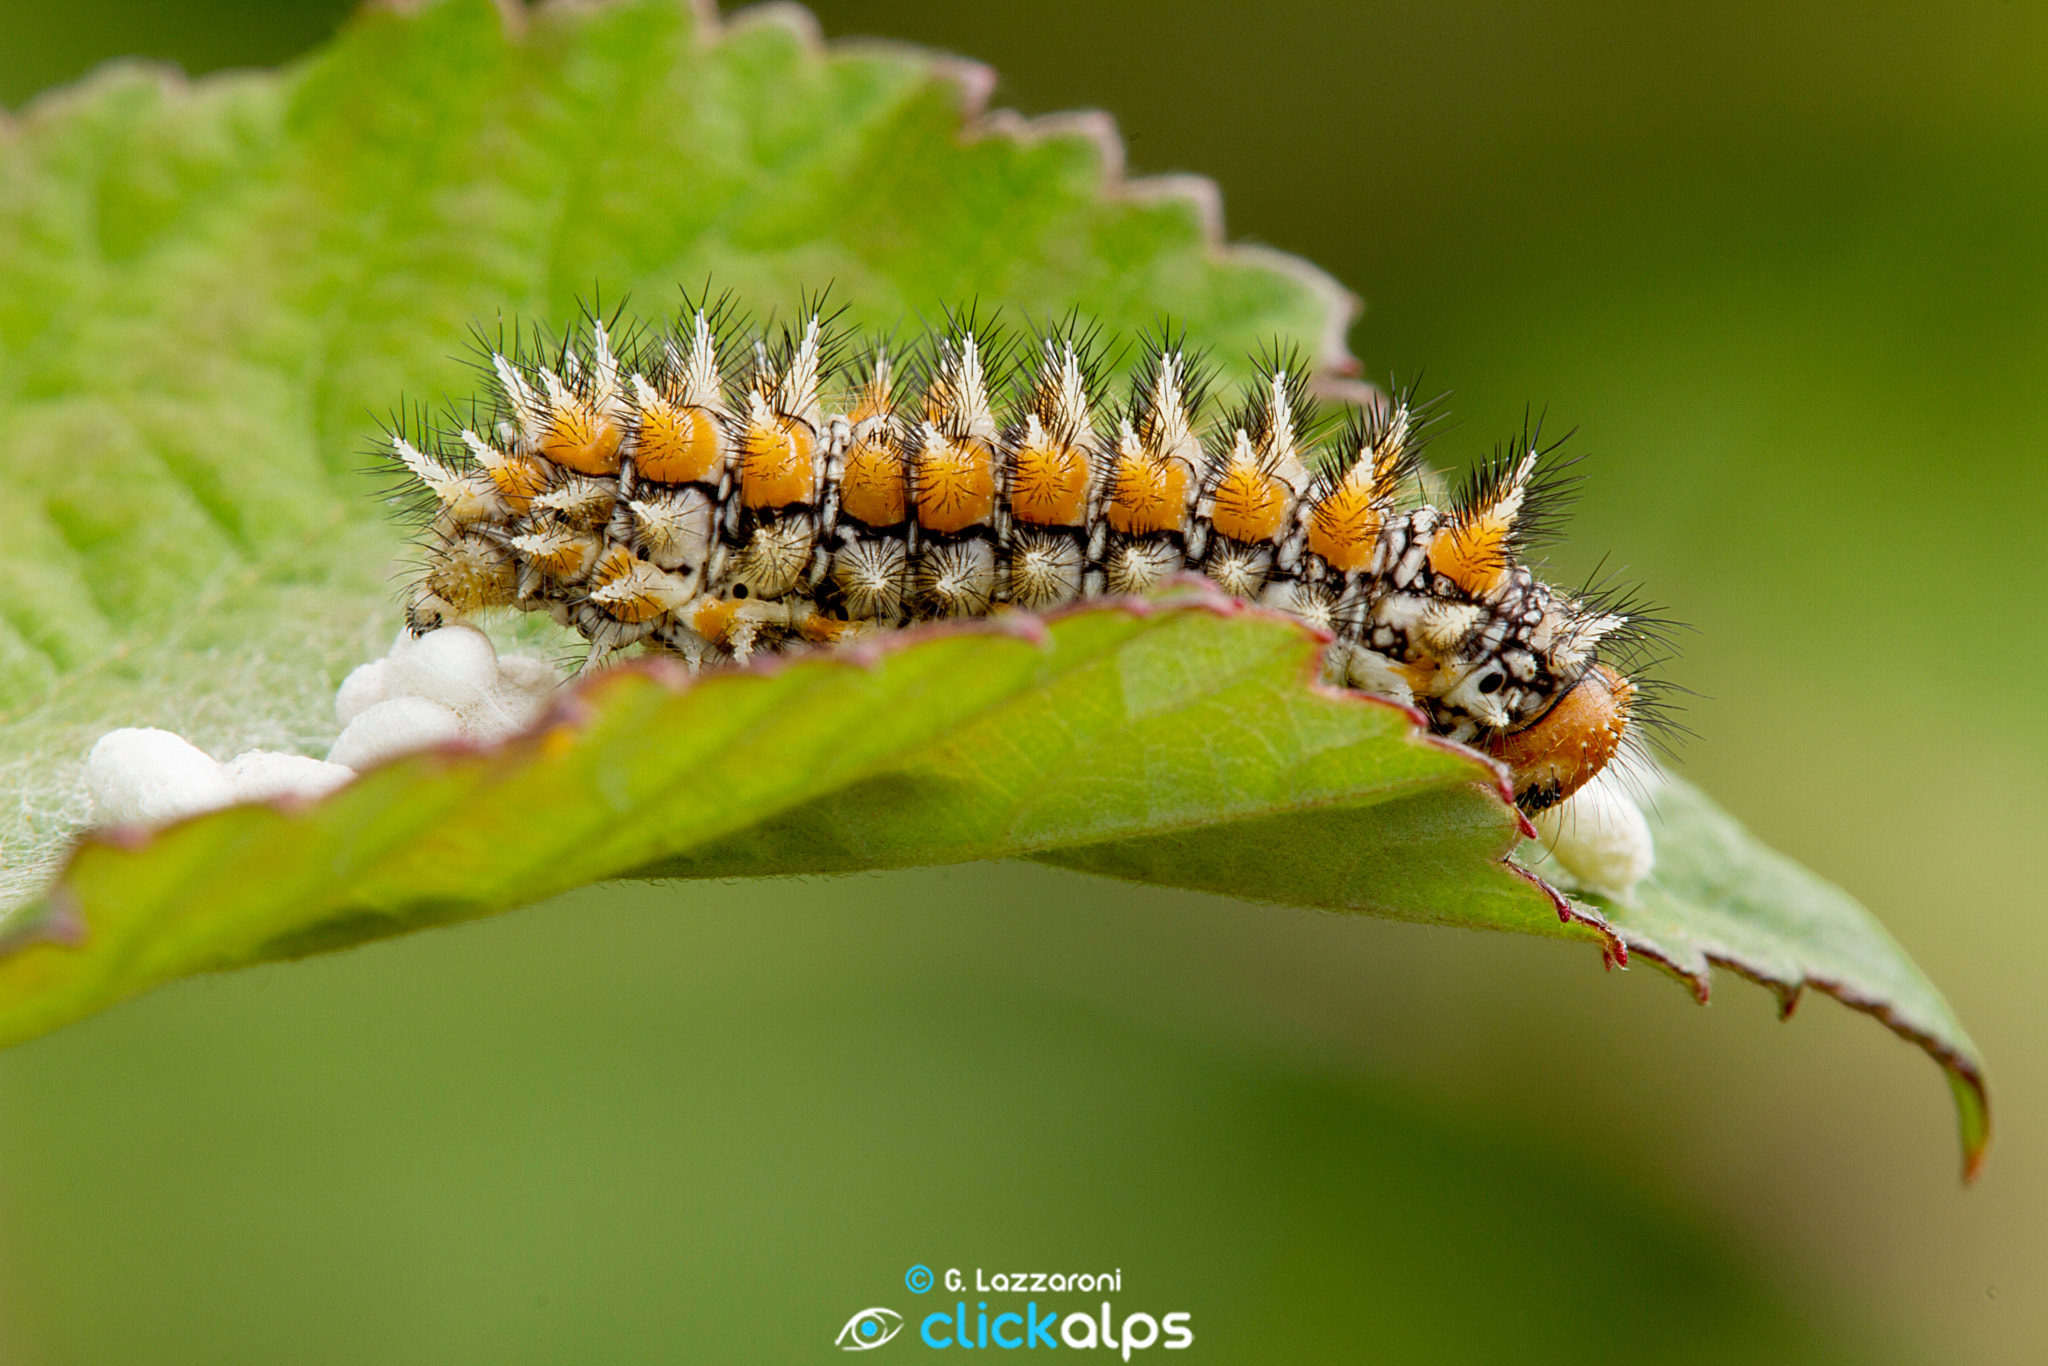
(1953, 1053)
(1973, 1116)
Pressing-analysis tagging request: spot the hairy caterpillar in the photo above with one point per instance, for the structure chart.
(717, 494)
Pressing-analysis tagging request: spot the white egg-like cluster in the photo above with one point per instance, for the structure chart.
(1600, 837)
(429, 690)
(446, 685)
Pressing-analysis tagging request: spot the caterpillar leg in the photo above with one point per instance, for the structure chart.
(1350, 665)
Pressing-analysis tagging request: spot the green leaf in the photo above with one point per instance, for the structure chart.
(1721, 897)
(1097, 740)
(209, 292)
(206, 293)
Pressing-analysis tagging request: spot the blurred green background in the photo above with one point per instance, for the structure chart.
(1783, 266)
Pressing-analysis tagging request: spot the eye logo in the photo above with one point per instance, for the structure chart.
(869, 1328)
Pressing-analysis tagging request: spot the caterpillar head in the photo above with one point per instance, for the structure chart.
(1570, 743)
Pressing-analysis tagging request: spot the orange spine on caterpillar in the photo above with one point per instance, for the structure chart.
(714, 495)
(1052, 474)
(956, 570)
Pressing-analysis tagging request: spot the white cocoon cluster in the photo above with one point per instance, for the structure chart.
(263, 775)
(145, 776)
(1600, 837)
(398, 725)
(447, 685)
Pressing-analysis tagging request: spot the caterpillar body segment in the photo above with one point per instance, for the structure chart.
(1247, 536)
(717, 496)
(956, 523)
(1052, 476)
(868, 547)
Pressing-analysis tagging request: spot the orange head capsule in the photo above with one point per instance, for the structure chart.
(1569, 744)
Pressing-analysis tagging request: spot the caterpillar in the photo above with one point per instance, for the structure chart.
(716, 492)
